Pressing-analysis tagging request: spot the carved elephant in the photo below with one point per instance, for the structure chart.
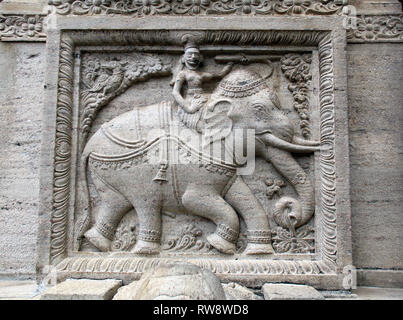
(160, 171)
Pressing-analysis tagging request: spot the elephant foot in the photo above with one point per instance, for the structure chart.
(221, 244)
(98, 240)
(258, 248)
(145, 247)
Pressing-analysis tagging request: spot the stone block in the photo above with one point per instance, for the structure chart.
(234, 291)
(83, 289)
(127, 292)
(375, 124)
(274, 291)
(174, 281)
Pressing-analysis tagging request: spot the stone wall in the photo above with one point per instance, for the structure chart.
(376, 119)
(376, 115)
(21, 91)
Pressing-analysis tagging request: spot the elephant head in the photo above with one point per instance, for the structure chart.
(243, 100)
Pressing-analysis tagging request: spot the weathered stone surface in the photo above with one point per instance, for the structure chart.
(127, 292)
(234, 291)
(22, 289)
(376, 119)
(274, 291)
(21, 105)
(174, 282)
(23, 6)
(82, 289)
(371, 293)
(374, 7)
(380, 278)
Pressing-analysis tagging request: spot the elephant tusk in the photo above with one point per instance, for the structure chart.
(282, 144)
(303, 142)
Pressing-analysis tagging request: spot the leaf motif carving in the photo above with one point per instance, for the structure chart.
(141, 8)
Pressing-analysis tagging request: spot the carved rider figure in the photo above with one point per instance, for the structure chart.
(194, 79)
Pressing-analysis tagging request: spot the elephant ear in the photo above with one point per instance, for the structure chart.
(217, 123)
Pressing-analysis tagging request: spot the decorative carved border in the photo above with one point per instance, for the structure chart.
(369, 28)
(63, 152)
(95, 264)
(22, 28)
(377, 28)
(141, 8)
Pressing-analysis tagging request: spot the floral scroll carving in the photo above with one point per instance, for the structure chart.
(302, 241)
(296, 69)
(124, 238)
(197, 7)
(377, 29)
(188, 240)
(104, 80)
(22, 27)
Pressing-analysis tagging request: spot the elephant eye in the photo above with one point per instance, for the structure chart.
(259, 107)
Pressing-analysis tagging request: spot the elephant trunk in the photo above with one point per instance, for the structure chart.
(288, 212)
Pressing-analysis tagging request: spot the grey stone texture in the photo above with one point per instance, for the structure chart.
(376, 6)
(127, 292)
(234, 291)
(23, 6)
(376, 166)
(21, 91)
(18, 290)
(282, 291)
(380, 278)
(371, 293)
(82, 289)
(29, 290)
(176, 281)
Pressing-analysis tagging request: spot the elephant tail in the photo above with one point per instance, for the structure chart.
(288, 212)
(85, 204)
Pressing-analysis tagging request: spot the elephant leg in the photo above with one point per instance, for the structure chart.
(258, 230)
(208, 204)
(149, 217)
(113, 207)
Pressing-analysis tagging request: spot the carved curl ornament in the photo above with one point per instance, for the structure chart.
(197, 7)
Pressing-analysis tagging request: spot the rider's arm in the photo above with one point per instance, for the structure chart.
(209, 76)
(176, 91)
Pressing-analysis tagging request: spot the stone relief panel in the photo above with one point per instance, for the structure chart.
(149, 162)
(181, 89)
